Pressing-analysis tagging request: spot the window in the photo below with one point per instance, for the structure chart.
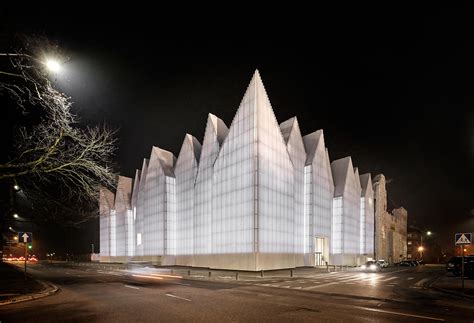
(139, 239)
(409, 243)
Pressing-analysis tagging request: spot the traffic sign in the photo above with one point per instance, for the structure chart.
(462, 238)
(25, 237)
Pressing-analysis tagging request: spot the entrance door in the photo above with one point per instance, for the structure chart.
(320, 255)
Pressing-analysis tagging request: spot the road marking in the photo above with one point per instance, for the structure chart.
(170, 276)
(387, 279)
(322, 285)
(170, 295)
(396, 271)
(421, 282)
(183, 284)
(131, 286)
(410, 278)
(398, 313)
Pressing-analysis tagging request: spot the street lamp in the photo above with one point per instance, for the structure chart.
(15, 215)
(420, 249)
(428, 233)
(53, 65)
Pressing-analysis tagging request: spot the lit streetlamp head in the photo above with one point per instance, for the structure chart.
(16, 187)
(15, 215)
(420, 248)
(53, 65)
(428, 233)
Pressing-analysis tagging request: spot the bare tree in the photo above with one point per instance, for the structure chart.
(56, 160)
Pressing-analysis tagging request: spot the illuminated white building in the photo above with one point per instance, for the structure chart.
(254, 196)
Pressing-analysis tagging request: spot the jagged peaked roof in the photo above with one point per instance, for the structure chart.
(124, 192)
(167, 160)
(311, 142)
(356, 174)
(136, 185)
(329, 168)
(195, 144)
(106, 201)
(365, 182)
(340, 170)
(220, 128)
(286, 127)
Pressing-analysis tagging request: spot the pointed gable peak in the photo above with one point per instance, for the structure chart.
(287, 127)
(220, 128)
(166, 159)
(194, 144)
(340, 170)
(311, 142)
(365, 182)
(357, 179)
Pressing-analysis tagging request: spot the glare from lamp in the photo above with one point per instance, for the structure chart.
(53, 65)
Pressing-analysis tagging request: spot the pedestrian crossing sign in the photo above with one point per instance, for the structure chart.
(462, 238)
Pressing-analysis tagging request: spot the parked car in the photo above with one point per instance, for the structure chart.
(454, 266)
(382, 263)
(371, 266)
(406, 263)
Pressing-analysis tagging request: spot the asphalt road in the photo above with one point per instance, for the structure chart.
(90, 295)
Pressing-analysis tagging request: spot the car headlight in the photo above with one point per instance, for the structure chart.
(363, 266)
(373, 267)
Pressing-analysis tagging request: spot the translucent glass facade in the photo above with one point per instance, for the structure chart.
(235, 179)
(214, 135)
(155, 201)
(295, 146)
(346, 208)
(256, 195)
(319, 189)
(185, 172)
(275, 182)
(140, 210)
(367, 215)
(123, 225)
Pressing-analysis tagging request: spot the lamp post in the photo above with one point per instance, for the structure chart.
(420, 249)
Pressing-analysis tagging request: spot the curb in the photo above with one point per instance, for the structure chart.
(450, 292)
(50, 289)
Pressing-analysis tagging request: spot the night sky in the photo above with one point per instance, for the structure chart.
(391, 88)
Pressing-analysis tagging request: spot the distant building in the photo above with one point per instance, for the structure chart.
(413, 243)
(255, 196)
(390, 227)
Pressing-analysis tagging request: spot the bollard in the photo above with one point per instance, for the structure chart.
(237, 275)
(209, 275)
(261, 274)
(291, 272)
(189, 272)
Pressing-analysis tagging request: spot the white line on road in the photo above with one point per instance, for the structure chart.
(387, 279)
(397, 271)
(322, 285)
(398, 313)
(131, 286)
(421, 282)
(170, 295)
(410, 278)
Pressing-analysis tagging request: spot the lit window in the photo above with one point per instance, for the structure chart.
(409, 243)
(139, 239)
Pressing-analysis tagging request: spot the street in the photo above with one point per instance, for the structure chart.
(90, 294)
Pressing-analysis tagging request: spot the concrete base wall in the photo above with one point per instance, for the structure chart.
(155, 260)
(347, 259)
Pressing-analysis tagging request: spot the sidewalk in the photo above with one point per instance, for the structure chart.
(452, 285)
(15, 288)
